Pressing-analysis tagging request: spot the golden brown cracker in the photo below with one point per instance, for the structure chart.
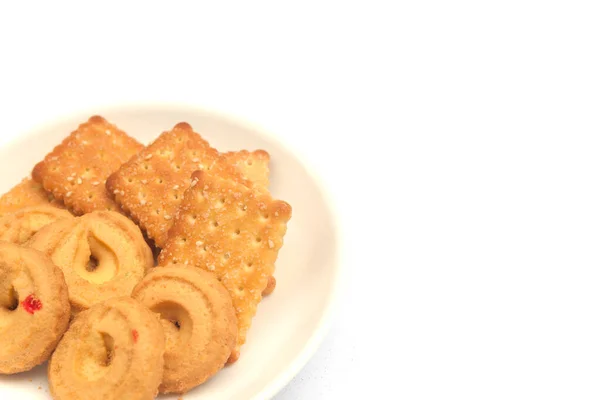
(235, 232)
(271, 283)
(75, 171)
(34, 308)
(27, 193)
(254, 165)
(150, 186)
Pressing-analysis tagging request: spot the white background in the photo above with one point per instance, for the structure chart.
(458, 140)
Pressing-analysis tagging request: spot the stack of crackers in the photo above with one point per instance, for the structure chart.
(197, 206)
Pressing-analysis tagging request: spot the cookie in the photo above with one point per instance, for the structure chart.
(26, 194)
(34, 308)
(150, 186)
(75, 171)
(112, 351)
(254, 166)
(19, 226)
(102, 255)
(199, 323)
(235, 232)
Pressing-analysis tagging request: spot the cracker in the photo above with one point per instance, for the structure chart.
(271, 283)
(150, 186)
(235, 232)
(27, 193)
(76, 170)
(253, 165)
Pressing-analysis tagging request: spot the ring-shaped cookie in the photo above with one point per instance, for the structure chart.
(112, 351)
(102, 255)
(199, 321)
(34, 308)
(19, 226)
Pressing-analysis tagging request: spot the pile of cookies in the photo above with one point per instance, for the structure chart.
(135, 269)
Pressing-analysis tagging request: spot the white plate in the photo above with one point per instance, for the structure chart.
(291, 322)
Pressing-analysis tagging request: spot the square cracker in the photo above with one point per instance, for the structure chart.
(150, 186)
(235, 232)
(254, 165)
(76, 170)
(27, 193)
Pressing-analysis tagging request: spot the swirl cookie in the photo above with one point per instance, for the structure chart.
(199, 323)
(102, 255)
(114, 350)
(34, 308)
(26, 194)
(19, 226)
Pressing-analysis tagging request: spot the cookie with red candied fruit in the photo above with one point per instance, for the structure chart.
(34, 308)
(112, 351)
